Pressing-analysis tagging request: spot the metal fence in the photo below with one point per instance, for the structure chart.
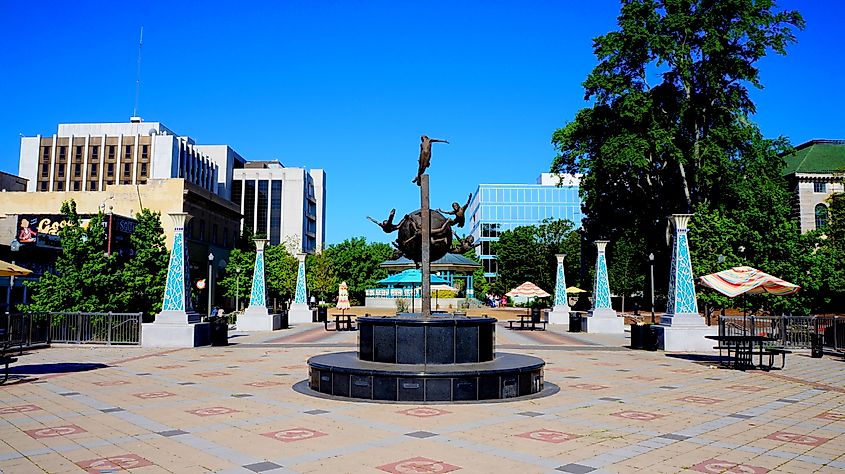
(34, 329)
(794, 332)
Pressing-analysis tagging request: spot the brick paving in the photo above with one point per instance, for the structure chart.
(233, 410)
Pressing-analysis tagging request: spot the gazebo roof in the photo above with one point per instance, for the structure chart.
(410, 277)
(452, 261)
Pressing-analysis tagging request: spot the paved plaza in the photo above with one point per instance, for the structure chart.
(233, 409)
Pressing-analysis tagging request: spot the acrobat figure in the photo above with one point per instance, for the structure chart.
(459, 213)
(425, 156)
(465, 244)
(387, 225)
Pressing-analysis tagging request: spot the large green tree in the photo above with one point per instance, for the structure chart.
(669, 128)
(143, 276)
(356, 262)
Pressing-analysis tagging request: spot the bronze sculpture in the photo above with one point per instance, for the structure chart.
(459, 212)
(425, 155)
(387, 225)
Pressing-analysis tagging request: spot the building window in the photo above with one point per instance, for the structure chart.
(45, 153)
(45, 170)
(189, 229)
(111, 152)
(44, 185)
(143, 169)
(276, 212)
(76, 185)
(225, 236)
(110, 170)
(60, 185)
(78, 153)
(145, 152)
(819, 187)
(61, 168)
(202, 229)
(214, 233)
(77, 169)
(93, 169)
(821, 216)
(127, 153)
(127, 169)
(92, 186)
(95, 152)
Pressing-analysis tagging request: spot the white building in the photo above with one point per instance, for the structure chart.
(270, 195)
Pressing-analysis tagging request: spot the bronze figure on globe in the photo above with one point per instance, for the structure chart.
(425, 235)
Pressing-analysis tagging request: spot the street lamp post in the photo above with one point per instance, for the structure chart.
(14, 247)
(237, 288)
(210, 283)
(651, 286)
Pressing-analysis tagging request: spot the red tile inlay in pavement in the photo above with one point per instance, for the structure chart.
(557, 369)
(294, 434)
(423, 412)
(552, 338)
(700, 400)
(418, 465)
(717, 466)
(112, 383)
(309, 335)
(637, 415)
(796, 438)
(549, 436)
(54, 431)
(685, 371)
(168, 367)
(212, 374)
(147, 395)
(114, 463)
(19, 409)
(263, 383)
(211, 411)
(644, 378)
(745, 388)
(589, 386)
(831, 415)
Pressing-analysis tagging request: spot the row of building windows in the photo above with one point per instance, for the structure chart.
(215, 236)
(60, 167)
(530, 213)
(530, 194)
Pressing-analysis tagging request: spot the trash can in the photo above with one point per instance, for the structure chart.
(219, 331)
(322, 314)
(637, 336)
(285, 322)
(816, 345)
(649, 337)
(535, 315)
(574, 322)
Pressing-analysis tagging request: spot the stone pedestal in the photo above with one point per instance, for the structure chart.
(560, 313)
(300, 313)
(682, 329)
(602, 318)
(256, 318)
(177, 325)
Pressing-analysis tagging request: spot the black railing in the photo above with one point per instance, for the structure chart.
(40, 329)
(795, 332)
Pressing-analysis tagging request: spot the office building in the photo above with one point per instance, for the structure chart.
(814, 172)
(496, 208)
(285, 204)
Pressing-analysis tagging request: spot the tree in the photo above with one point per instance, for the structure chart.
(320, 274)
(357, 263)
(625, 265)
(238, 284)
(650, 150)
(86, 278)
(144, 275)
(527, 253)
(280, 269)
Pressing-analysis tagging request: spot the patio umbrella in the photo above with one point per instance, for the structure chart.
(343, 297)
(529, 290)
(738, 280)
(574, 290)
(411, 277)
(10, 269)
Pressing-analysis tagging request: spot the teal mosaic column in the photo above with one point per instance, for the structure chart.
(681, 283)
(258, 295)
(177, 289)
(560, 283)
(601, 286)
(299, 297)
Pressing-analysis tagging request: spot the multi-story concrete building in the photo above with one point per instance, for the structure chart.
(496, 208)
(814, 172)
(285, 204)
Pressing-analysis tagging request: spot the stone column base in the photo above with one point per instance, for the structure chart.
(603, 321)
(258, 318)
(559, 315)
(685, 338)
(175, 335)
(300, 313)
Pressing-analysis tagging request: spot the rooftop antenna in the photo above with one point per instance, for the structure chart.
(135, 118)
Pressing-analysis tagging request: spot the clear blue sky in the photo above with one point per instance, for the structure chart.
(349, 86)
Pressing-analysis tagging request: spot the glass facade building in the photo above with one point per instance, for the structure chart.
(496, 208)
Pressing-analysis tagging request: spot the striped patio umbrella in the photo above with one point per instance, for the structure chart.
(528, 289)
(343, 297)
(739, 280)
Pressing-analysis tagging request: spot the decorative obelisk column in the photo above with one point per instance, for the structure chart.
(299, 311)
(602, 318)
(257, 316)
(681, 327)
(560, 313)
(177, 325)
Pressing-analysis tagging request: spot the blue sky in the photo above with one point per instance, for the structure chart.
(349, 86)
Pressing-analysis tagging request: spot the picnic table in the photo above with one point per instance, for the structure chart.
(342, 322)
(744, 347)
(530, 321)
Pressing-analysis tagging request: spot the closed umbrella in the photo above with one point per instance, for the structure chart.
(343, 297)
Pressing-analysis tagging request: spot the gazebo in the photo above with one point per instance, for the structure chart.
(451, 267)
